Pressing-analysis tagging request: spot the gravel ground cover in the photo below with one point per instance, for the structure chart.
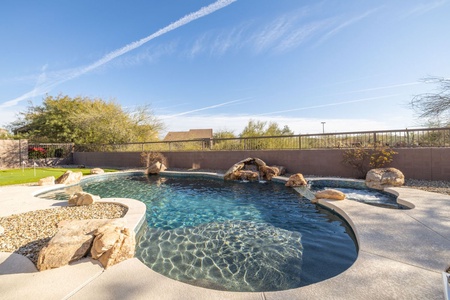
(29, 232)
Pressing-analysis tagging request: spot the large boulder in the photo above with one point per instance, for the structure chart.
(69, 177)
(95, 171)
(247, 175)
(113, 244)
(330, 194)
(155, 168)
(47, 181)
(74, 240)
(269, 172)
(384, 177)
(82, 198)
(251, 169)
(296, 180)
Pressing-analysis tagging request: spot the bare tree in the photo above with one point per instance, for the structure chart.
(434, 105)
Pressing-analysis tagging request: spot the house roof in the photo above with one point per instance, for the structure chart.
(192, 134)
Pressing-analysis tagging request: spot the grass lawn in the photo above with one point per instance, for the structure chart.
(17, 176)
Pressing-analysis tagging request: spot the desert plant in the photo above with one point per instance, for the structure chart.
(362, 159)
(149, 157)
(357, 158)
(381, 157)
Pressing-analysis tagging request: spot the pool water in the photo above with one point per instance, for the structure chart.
(357, 191)
(230, 235)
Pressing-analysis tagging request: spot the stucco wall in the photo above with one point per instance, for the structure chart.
(418, 163)
(12, 152)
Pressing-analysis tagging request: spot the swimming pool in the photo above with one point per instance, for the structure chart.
(230, 235)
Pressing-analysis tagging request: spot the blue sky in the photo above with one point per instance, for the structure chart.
(353, 64)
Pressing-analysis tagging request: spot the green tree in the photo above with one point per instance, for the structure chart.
(224, 134)
(258, 128)
(83, 120)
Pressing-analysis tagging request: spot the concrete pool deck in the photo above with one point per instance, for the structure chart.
(402, 254)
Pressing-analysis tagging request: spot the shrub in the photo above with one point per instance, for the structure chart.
(149, 158)
(381, 157)
(36, 152)
(363, 159)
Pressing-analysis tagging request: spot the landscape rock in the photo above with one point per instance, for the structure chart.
(82, 198)
(384, 177)
(69, 177)
(330, 194)
(247, 175)
(281, 170)
(251, 169)
(112, 244)
(74, 240)
(269, 172)
(47, 181)
(296, 180)
(97, 171)
(155, 168)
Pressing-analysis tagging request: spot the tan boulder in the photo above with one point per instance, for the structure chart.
(232, 172)
(281, 170)
(248, 175)
(269, 172)
(296, 180)
(113, 244)
(330, 194)
(74, 240)
(384, 177)
(95, 171)
(47, 181)
(248, 169)
(155, 168)
(82, 198)
(69, 177)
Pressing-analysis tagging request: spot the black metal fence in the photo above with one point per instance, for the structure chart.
(404, 138)
(49, 150)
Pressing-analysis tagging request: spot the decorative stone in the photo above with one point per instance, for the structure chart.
(82, 198)
(257, 167)
(97, 171)
(384, 177)
(296, 180)
(281, 170)
(155, 168)
(69, 177)
(2, 230)
(113, 244)
(269, 172)
(247, 175)
(74, 240)
(330, 194)
(47, 181)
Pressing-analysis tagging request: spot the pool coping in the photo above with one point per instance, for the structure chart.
(402, 254)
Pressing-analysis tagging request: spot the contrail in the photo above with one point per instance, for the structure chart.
(204, 11)
(382, 87)
(330, 104)
(204, 108)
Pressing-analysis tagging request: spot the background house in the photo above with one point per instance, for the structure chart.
(192, 134)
